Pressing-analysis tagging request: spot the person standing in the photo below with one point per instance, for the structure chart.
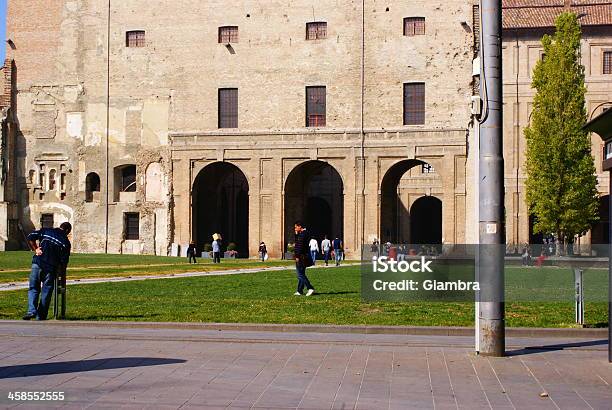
(314, 250)
(216, 247)
(191, 252)
(338, 249)
(51, 254)
(263, 252)
(302, 260)
(326, 249)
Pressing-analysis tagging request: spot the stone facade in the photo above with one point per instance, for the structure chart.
(523, 29)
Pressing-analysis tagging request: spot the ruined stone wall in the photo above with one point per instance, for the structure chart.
(170, 86)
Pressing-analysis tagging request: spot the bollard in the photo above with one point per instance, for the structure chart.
(579, 296)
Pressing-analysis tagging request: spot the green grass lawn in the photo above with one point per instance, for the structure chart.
(15, 266)
(266, 297)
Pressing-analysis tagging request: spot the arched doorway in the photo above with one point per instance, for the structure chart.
(426, 221)
(314, 194)
(220, 203)
(401, 222)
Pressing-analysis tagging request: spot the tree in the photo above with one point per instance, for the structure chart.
(561, 183)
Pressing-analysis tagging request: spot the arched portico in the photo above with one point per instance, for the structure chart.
(314, 194)
(220, 204)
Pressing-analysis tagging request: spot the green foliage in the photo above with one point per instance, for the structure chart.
(207, 247)
(290, 247)
(232, 246)
(561, 182)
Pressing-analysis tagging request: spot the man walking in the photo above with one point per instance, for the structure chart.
(326, 249)
(191, 252)
(338, 249)
(302, 260)
(51, 254)
(314, 250)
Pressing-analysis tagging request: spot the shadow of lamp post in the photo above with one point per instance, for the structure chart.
(602, 125)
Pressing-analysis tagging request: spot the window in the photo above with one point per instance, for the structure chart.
(46, 221)
(316, 30)
(131, 226)
(92, 187)
(607, 62)
(52, 181)
(128, 178)
(135, 38)
(427, 169)
(414, 103)
(315, 106)
(414, 26)
(228, 108)
(228, 34)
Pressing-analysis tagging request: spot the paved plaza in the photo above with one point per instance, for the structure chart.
(144, 366)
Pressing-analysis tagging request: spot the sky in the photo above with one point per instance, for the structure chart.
(2, 29)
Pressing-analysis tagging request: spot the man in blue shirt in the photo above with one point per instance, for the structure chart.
(51, 253)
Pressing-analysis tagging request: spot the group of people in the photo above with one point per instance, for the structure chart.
(216, 251)
(333, 249)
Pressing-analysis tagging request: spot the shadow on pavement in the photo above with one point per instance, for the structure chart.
(75, 366)
(549, 348)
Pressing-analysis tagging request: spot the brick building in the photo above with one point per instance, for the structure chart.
(148, 123)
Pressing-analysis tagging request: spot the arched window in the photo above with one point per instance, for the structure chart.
(92, 187)
(125, 181)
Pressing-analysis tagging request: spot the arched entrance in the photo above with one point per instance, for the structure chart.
(314, 194)
(426, 221)
(401, 222)
(220, 203)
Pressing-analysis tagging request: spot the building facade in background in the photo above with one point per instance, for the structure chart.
(154, 123)
(524, 24)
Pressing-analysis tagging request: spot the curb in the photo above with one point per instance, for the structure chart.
(306, 328)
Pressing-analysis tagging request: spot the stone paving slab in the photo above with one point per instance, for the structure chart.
(116, 368)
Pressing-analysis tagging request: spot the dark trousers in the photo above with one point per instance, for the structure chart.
(326, 256)
(192, 256)
(302, 278)
(216, 257)
(39, 277)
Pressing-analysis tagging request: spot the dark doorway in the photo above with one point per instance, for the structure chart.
(426, 221)
(600, 234)
(220, 203)
(534, 238)
(314, 194)
(398, 224)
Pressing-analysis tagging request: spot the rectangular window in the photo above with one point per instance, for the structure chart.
(228, 108)
(315, 106)
(414, 26)
(607, 62)
(131, 225)
(128, 178)
(135, 38)
(316, 30)
(228, 34)
(414, 103)
(46, 221)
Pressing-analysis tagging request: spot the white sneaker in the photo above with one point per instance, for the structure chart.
(297, 294)
(310, 292)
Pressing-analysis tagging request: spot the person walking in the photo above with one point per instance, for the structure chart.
(263, 252)
(191, 252)
(51, 254)
(314, 250)
(338, 249)
(216, 247)
(302, 260)
(326, 249)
